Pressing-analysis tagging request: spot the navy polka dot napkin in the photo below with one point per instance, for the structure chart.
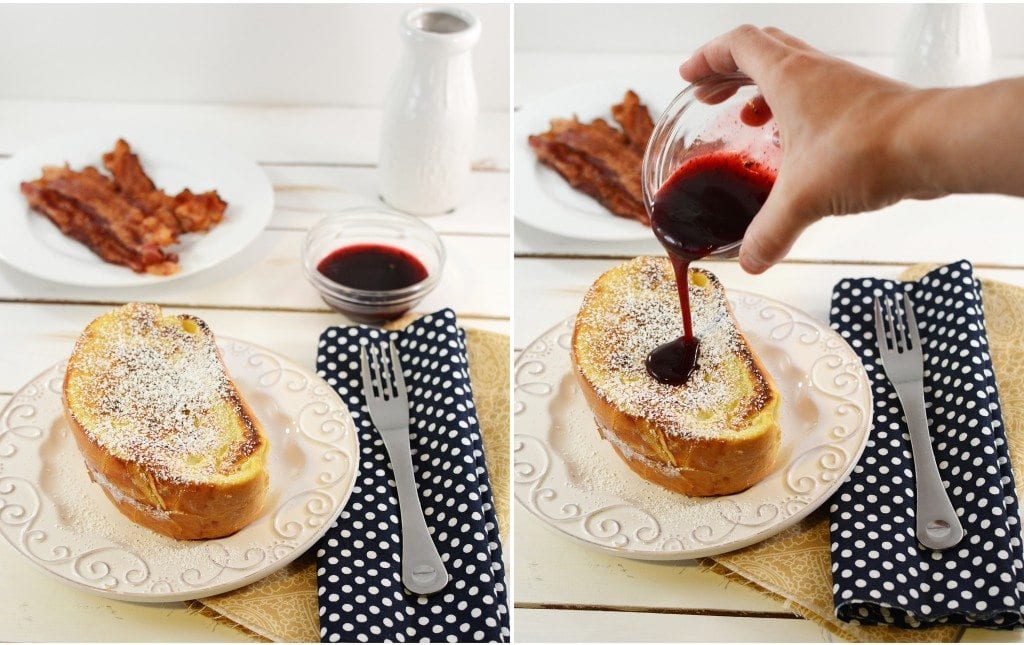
(359, 559)
(880, 573)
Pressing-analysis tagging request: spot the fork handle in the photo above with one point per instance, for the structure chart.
(423, 571)
(938, 526)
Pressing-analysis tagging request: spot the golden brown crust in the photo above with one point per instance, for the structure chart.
(696, 464)
(185, 510)
(702, 466)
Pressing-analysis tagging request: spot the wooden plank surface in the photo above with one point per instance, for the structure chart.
(551, 570)
(269, 275)
(545, 625)
(304, 194)
(982, 228)
(39, 335)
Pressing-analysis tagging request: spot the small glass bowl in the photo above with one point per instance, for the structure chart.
(704, 118)
(372, 225)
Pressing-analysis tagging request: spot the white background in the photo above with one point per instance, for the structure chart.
(848, 29)
(337, 55)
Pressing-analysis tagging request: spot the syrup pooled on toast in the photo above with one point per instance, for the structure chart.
(705, 205)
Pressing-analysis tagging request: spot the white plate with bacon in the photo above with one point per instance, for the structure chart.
(89, 211)
(544, 199)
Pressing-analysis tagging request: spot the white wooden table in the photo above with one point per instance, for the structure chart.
(567, 592)
(319, 160)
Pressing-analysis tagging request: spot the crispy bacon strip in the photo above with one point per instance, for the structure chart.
(93, 233)
(125, 220)
(199, 213)
(97, 195)
(595, 159)
(599, 160)
(133, 182)
(186, 212)
(635, 120)
(587, 178)
(607, 149)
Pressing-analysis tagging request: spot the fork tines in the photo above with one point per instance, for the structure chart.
(899, 331)
(381, 370)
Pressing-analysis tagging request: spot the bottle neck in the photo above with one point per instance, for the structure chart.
(440, 32)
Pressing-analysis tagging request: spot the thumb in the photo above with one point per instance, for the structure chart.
(772, 231)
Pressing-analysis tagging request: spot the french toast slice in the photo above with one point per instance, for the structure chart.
(161, 425)
(714, 435)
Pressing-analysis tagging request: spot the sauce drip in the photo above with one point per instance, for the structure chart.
(756, 112)
(705, 205)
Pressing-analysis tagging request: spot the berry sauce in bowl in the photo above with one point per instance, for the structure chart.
(372, 264)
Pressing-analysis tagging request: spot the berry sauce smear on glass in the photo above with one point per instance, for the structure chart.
(705, 205)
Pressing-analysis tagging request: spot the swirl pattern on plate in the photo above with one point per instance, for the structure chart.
(53, 515)
(565, 475)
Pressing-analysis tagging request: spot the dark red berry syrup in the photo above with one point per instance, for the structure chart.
(373, 267)
(705, 205)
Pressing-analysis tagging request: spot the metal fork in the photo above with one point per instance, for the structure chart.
(899, 346)
(423, 571)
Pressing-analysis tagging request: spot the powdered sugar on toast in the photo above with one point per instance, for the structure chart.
(149, 394)
(639, 311)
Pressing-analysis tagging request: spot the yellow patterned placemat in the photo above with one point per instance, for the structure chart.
(283, 606)
(794, 567)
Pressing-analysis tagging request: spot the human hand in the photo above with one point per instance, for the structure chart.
(837, 125)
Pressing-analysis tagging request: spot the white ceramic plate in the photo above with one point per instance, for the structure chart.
(60, 521)
(574, 482)
(31, 243)
(546, 201)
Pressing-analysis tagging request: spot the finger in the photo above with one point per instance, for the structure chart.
(746, 49)
(715, 93)
(788, 39)
(715, 56)
(772, 232)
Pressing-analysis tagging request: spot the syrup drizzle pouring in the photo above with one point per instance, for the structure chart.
(705, 205)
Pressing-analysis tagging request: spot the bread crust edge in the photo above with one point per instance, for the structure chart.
(180, 510)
